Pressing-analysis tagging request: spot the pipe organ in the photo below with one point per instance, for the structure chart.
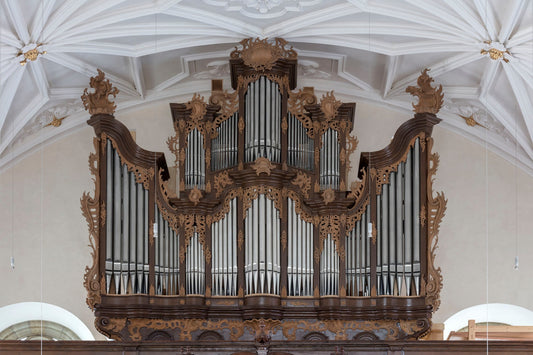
(264, 239)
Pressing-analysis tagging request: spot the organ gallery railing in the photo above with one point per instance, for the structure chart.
(265, 240)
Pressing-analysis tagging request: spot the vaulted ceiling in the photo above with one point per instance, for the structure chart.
(481, 51)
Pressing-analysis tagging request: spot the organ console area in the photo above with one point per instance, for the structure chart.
(265, 239)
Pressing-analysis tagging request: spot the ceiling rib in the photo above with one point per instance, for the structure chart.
(8, 92)
(521, 93)
(57, 18)
(486, 14)
(510, 22)
(310, 19)
(469, 17)
(16, 18)
(138, 76)
(390, 74)
(41, 15)
(437, 69)
(89, 70)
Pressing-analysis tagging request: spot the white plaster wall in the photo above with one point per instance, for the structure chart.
(489, 209)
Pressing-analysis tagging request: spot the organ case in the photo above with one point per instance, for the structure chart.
(263, 240)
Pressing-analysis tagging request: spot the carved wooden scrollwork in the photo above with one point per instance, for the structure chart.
(251, 193)
(98, 102)
(296, 106)
(191, 224)
(436, 210)
(430, 100)
(229, 104)
(142, 175)
(261, 54)
(303, 181)
(93, 211)
(221, 181)
(330, 225)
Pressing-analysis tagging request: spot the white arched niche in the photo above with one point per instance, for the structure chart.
(490, 312)
(29, 311)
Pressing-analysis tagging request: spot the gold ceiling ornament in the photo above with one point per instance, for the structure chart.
(260, 54)
(98, 102)
(430, 99)
(56, 122)
(263, 165)
(471, 121)
(30, 55)
(329, 105)
(496, 52)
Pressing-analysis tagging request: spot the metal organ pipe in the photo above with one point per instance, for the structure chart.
(300, 252)
(195, 160)
(399, 229)
(263, 120)
(300, 146)
(262, 247)
(126, 266)
(329, 160)
(329, 269)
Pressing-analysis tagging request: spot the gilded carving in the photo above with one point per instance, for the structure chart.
(143, 175)
(173, 146)
(471, 121)
(198, 108)
(392, 329)
(261, 54)
(284, 125)
(229, 104)
(436, 210)
(240, 239)
(284, 240)
(253, 192)
(241, 124)
(193, 224)
(329, 105)
(303, 181)
(282, 81)
(262, 165)
(383, 174)
(430, 100)
(221, 181)
(329, 225)
(328, 196)
(422, 216)
(195, 195)
(262, 328)
(91, 209)
(357, 187)
(351, 146)
(98, 101)
(296, 106)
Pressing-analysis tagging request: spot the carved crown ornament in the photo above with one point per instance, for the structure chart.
(98, 101)
(260, 54)
(430, 99)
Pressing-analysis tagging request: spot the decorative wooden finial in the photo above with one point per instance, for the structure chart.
(430, 100)
(98, 102)
(261, 54)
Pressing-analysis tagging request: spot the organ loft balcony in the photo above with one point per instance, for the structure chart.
(264, 237)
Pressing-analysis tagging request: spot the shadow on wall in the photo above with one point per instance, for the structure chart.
(22, 321)
(490, 312)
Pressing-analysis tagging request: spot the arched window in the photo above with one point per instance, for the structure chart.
(489, 313)
(35, 321)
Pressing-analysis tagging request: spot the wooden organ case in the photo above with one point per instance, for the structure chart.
(265, 241)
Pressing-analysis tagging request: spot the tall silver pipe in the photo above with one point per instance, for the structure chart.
(408, 220)
(140, 237)
(109, 214)
(117, 218)
(416, 216)
(133, 232)
(399, 230)
(392, 234)
(385, 239)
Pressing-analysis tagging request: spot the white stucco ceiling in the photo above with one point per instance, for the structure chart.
(365, 50)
